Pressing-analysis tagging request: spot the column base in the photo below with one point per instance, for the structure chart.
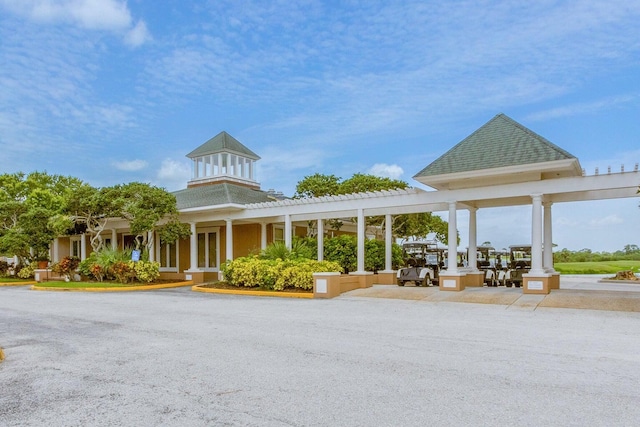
(326, 285)
(451, 281)
(366, 278)
(196, 275)
(387, 277)
(537, 283)
(474, 279)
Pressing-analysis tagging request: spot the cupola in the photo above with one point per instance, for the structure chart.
(223, 159)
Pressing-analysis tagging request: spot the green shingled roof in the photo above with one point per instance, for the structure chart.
(219, 194)
(501, 142)
(223, 142)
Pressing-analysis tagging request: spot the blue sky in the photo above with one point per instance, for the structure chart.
(111, 91)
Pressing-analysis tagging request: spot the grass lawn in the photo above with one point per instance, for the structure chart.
(601, 267)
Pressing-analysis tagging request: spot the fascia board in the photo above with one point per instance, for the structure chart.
(226, 206)
(438, 181)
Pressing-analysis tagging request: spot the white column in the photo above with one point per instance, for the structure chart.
(536, 235)
(229, 245)
(547, 245)
(193, 245)
(320, 237)
(473, 240)
(151, 245)
(55, 256)
(114, 239)
(287, 231)
(361, 239)
(452, 261)
(388, 242)
(83, 246)
(263, 235)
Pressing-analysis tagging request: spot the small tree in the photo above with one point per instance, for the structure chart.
(145, 207)
(27, 204)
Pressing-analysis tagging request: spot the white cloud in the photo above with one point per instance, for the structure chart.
(582, 108)
(130, 165)
(107, 15)
(605, 221)
(385, 170)
(138, 35)
(174, 175)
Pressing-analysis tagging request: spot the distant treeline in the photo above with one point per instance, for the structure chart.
(629, 252)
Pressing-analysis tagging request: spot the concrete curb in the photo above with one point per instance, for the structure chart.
(31, 282)
(628, 301)
(278, 294)
(122, 289)
(631, 282)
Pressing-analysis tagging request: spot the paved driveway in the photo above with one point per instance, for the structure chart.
(181, 358)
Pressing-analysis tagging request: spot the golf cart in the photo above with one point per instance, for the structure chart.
(486, 262)
(519, 264)
(422, 263)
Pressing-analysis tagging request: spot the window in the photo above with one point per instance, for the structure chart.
(223, 164)
(208, 249)
(169, 257)
(76, 247)
(208, 169)
(278, 233)
(233, 159)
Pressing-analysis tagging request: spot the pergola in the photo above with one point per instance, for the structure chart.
(501, 164)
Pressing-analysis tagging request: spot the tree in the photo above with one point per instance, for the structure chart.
(317, 185)
(420, 225)
(146, 208)
(27, 205)
(417, 225)
(360, 183)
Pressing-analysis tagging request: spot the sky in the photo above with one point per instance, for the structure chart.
(113, 91)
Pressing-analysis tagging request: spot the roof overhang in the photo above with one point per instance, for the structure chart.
(235, 207)
(506, 175)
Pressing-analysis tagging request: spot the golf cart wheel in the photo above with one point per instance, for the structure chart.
(518, 284)
(508, 284)
(400, 283)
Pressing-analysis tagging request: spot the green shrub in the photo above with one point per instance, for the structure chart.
(109, 264)
(4, 268)
(274, 274)
(27, 271)
(251, 272)
(66, 267)
(84, 268)
(122, 271)
(300, 274)
(300, 249)
(343, 250)
(146, 271)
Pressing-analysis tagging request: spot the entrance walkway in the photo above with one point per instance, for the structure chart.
(576, 291)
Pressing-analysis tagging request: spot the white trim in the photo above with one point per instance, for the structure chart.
(207, 231)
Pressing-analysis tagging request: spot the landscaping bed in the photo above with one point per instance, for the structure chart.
(227, 286)
(88, 285)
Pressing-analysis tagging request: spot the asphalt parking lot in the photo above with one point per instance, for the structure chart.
(175, 357)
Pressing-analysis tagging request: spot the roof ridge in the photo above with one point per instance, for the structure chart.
(498, 143)
(222, 142)
(536, 135)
